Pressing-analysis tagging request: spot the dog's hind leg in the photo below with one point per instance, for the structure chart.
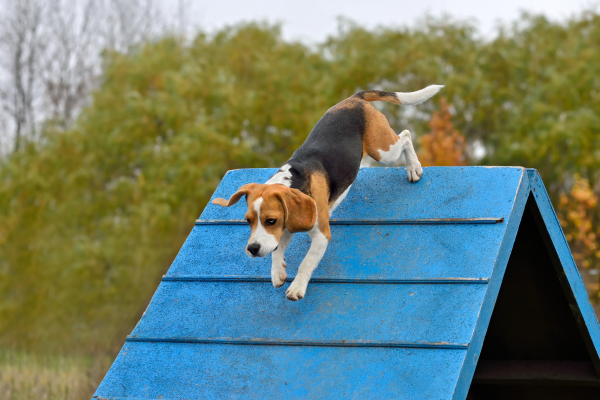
(413, 166)
(382, 144)
(278, 267)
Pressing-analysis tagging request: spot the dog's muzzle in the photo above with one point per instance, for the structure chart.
(254, 249)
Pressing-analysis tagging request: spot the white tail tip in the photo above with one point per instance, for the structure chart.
(418, 97)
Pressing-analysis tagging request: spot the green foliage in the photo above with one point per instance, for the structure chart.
(91, 218)
(545, 86)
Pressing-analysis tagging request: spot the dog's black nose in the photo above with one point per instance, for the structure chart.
(254, 249)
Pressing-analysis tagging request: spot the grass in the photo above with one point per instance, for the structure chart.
(27, 376)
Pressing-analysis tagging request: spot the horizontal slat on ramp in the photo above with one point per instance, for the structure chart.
(475, 192)
(419, 313)
(123, 398)
(184, 371)
(322, 279)
(399, 251)
(432, 221)
(298, 342)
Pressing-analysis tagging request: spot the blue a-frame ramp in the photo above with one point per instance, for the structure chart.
(459, 286)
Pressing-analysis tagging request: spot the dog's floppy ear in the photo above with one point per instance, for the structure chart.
(300, 210)
(244, 190)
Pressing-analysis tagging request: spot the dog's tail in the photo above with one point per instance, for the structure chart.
(409, 99)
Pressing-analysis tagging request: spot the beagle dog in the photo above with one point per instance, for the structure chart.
(303, 194)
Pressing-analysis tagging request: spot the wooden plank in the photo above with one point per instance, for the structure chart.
(385, 193)
(391, 252)
(416, 313)
(184, 371)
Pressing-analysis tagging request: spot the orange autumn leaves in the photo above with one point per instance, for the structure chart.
(578, 214)
(444, 145)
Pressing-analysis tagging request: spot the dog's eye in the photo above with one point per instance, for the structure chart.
(270, 222)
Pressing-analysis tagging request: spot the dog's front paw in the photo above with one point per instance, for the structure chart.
(414, 171)
(278, 275)
(296, 291)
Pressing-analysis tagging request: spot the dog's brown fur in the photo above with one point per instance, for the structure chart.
(292, 209)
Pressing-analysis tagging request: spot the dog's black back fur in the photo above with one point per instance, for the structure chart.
(333, 148)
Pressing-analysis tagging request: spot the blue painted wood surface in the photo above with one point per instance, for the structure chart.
(405, 313)
(465, 192)
(403, 251)
(394, 311)
(199, 371)
(487, 307)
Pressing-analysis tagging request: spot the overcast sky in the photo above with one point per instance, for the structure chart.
(313, 20)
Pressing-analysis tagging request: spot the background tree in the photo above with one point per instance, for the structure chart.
(51, 57)
(22, 39)
(93, 211)
(578, 214)
(444, 145)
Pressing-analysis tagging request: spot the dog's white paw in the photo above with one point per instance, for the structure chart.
(414, 171)
(297, 290)
(413, 166)
(278, 274)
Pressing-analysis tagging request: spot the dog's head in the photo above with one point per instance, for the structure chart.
(271, 210)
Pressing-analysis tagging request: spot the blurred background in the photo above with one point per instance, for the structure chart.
(118, 118)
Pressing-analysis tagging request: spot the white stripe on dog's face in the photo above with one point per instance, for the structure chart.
(260, 236)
